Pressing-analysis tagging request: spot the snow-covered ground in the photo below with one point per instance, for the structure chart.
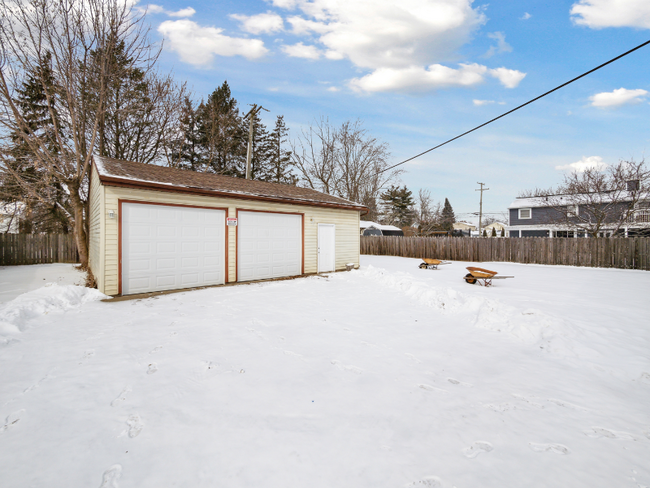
(16, 280)
(388, 376)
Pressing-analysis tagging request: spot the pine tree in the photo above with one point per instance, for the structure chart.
(279, 165)
(223, 136)
(494, 232)
(187, 150)
(46, 203)
(398, 206)
(448, 218)
(261, 149)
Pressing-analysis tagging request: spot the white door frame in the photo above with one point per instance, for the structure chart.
(322, 266)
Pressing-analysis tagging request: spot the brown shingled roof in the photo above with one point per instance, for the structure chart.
(115, 172)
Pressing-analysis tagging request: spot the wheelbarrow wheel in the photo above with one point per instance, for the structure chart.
(423, 266)
(470, 279)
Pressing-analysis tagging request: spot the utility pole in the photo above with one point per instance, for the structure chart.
(249, 152)
(480, 208)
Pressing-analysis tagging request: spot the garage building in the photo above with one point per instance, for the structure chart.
(155, 228)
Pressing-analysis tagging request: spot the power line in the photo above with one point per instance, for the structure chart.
(517, 108)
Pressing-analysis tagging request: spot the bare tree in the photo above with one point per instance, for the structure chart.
(428, 214)
(81, 37)
(593, 201)
(345, 161)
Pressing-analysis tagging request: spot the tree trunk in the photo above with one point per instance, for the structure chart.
(80, 235)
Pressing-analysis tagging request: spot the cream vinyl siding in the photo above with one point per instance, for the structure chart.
(346, 221)
(96, 225)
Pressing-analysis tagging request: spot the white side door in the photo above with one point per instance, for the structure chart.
(166, 247)
(269, 245)
(326, 248)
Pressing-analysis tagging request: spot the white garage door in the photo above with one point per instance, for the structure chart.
(269, 245)
(167, 248)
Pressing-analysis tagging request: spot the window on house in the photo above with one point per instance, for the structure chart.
(572, 211)
(642, 212)
(525, 213)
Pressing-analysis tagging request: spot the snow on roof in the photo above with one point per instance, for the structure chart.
(364, 224)
(546, 201)
(130, 173)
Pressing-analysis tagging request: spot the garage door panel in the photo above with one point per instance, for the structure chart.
(165, 280)
(139, 230)
(166, 247)
(191, 232)
(166, 231)
(269, 245)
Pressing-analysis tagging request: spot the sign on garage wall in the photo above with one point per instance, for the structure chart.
(231, 221)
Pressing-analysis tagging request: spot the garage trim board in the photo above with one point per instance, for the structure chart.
(238, 238)
(120, 239)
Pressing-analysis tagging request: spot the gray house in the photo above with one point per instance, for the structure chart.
(561, 216)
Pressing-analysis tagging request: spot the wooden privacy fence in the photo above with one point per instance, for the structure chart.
(612, 252)
(37, 249)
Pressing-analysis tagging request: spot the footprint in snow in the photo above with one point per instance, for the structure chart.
(431, 388)
(456, 382)
(89, 353)
(121, 397)
(11, 420)
(153, 367)
(135, 425)
(155, 350)
(477, 448)
(294, 354)
(111, 476)
(429, 481)
(556, 448)
(562, 403)
(597, 432)
(346, 367)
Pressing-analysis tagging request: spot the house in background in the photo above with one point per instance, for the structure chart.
(368, 228)
(464, 227)
(155, 228)
(539, 217)
(498, 226)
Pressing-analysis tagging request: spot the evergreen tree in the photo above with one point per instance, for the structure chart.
(485, 233)
(398, 206)
(447, 217)
(494, 232)
(46, 201)
(223, 136)
(187, 150)
(261, 148)
(279, 164)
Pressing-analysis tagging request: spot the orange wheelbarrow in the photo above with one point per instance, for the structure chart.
(432, 263)
(476, 275)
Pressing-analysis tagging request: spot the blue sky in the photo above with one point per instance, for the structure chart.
(418, 72)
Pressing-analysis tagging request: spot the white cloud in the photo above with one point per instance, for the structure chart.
(333, 89)
(417, 78)
(479, 103)
(301, 50)
(598, 14)
(526, 16)
(260, 24)
(377, 34)
(198, 45)
(501, 47)
(617, 98)
(591, 162)
(510, 78)
(157, 9)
